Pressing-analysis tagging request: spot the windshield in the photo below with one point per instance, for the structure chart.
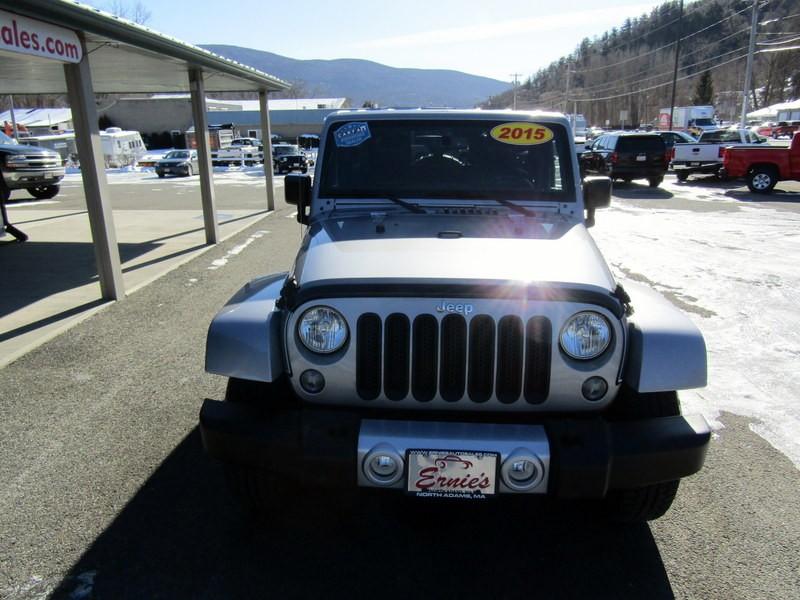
(4, 139)
(469, 159)
(704, 122)
(282, 150)
(723, 135)
(177, 154)
(644, 143)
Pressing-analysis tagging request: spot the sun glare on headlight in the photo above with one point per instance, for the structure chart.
(585, 335)
(322, 329)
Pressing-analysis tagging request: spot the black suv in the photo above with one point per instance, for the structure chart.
(287, 158)
(628, 156)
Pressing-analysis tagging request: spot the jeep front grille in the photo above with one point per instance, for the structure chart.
(461, 361)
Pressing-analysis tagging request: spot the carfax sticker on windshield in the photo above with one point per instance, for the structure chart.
(351, 134)
(521, 134)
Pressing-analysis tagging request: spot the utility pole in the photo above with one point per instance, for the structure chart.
(514, 85)
(748, 74)
(566, 92)
(675, 70)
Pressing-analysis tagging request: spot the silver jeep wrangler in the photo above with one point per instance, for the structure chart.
(450, 330)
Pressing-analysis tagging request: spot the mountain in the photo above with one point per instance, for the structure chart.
(630, 68)
(362, 80)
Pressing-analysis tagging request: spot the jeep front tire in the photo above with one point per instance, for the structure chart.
(651, 501)
(256, 490)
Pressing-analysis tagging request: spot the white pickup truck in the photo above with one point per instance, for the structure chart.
(706, 155)
(242, 151)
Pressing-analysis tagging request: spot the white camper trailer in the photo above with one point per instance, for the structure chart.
(121, 148)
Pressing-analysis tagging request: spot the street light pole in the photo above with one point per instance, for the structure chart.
(748, 74)
(514, 85)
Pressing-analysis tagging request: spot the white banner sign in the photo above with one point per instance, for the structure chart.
(27, 36)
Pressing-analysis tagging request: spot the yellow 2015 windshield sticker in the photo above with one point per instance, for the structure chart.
(521, 134)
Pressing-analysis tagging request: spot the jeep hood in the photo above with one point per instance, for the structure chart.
(448, 250)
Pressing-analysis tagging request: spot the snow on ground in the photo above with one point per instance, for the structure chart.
(147, 175)
(735, 273)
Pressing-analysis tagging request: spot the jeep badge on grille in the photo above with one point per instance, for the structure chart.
(449, 307)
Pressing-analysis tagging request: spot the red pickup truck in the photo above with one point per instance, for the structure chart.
(763, 166)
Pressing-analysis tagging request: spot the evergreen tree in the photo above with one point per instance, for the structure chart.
(704, 92)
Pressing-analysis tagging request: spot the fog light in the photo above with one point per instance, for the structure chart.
(594, 388)
(383, 466)
(312, 381)
(522, 470)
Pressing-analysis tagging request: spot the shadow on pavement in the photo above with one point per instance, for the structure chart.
(777, 195)
(182, 537)
(35, 270)
(49, 320)
(636, 191)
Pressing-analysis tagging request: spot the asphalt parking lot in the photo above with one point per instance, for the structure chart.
(51, 280)
(106, 492)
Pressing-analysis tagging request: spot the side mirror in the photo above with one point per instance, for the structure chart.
(298, 192)
(596, 194)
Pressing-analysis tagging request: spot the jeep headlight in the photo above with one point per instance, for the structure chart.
(585, 335)
(322, 329)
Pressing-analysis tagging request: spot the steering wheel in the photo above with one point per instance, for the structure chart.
(445, 161)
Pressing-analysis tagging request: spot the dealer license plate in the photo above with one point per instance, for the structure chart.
(694, 164)
(452, 474)
(641, 157)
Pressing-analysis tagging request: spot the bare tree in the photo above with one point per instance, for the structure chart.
(136, 12)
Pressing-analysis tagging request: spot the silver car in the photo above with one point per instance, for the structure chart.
(449, 329)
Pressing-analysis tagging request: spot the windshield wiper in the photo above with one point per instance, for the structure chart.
(515, 207)
(415, 208)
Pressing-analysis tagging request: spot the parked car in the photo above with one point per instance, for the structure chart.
(151, 157)
(287, 158)
(705, 155)
(628, 156)
(450, 330)
(764, 166)
(36, 170)
(785, 129)
(594, 132)
(178, 162)
(764, 129)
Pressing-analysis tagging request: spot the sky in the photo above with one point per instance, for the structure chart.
(478, 37)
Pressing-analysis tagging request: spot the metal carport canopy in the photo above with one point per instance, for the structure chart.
(118, 56)
(124, 57)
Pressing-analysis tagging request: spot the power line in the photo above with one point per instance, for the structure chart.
(699, 31)
(660, 85)
(609, 85)
(781, 49)
(779, 42)
(646, 34)
(683, 68)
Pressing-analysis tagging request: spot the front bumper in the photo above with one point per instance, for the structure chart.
(173, 170)
(587, 456)
(24, 178)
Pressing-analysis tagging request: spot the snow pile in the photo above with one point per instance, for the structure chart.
(735, 274)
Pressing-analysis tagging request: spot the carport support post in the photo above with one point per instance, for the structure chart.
(266, 142)
(95, 187)
(198, 90)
